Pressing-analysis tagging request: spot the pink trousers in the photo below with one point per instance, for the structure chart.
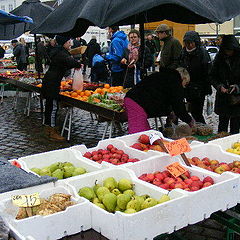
(137, 117)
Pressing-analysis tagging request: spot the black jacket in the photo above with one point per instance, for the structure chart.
(61, 61)
(226, 72)
(151, 45)
(92, 48)
(160, 93)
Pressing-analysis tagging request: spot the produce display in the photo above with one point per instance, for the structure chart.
(215, 165)
(186, 182)
(235, 148)
(67, 85)
(60, 170)
(115, 196)
(111, 155)
(144, 144)
(55, 203)
(202, 129)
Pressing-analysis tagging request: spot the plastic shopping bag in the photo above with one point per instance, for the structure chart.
(77, 80)
(209, 105)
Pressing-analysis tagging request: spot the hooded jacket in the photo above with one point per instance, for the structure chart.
(61, 61)
(116, 50)
(92, 48)
(226, 72)
(197, 62)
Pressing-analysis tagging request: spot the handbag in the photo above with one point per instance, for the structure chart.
(234, 100)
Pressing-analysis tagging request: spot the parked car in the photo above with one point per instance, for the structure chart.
(212, 51)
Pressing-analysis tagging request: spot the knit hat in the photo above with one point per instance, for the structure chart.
(14, 41)
(62, 39)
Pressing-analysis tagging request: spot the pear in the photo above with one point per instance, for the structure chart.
(78, 171)
(110, 183)
(124, 184)
(149, 202)
(134, 204)
(95, 187)
(45, 172)
(130, 210)
(68, 164)
(68, 171)
(58, 174)
(96, 200)
(140, 199)
(145, 196)
(118, 209)
(87, 193)
(36, 170)
(116, 191)
(129, 192)
(101, 191)
(122, 200)
(164, 198)
(110, 201)
(100, 205)
(53, 167)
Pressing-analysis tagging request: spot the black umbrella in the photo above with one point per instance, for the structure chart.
(73, 17)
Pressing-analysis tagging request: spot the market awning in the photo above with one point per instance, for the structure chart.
(8, 18)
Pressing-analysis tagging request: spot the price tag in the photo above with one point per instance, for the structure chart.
(178, 147)
(176, 169)
(26, 200)
(155, 136)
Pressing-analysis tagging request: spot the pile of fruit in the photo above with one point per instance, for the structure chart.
(166, 181)
(235, 148)
(60, 170)
(144, 144)
(111, 155)
(215, 165)
(55, 203)
(115, 196)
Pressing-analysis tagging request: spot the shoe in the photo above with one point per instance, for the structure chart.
(55, 135)
(47, 130)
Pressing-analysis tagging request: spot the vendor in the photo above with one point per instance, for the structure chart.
(157, 95)
(61, 61)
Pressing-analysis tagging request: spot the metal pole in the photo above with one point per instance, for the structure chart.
(141, 30)
(36, 55)
(217, 29)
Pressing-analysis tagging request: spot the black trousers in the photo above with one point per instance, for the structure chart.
(22, 66)
(197, 109)
(117, 78)
(224, 122)
(51, 109)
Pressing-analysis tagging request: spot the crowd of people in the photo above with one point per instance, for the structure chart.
(184, 73)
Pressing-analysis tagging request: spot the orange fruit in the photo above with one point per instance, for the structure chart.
(79, 92)
(88, 93)
(74, 94)
(82, 94)
(106, 85)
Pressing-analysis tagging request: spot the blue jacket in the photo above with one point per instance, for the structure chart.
(116, 50)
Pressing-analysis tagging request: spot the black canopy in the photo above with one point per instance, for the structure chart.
(35, 9)
(73, 17)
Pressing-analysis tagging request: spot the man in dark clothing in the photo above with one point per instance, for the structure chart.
(2, 52)
(196, 60)
(92, 48)
(20, 55)
(117, 47)
(42, 55)
(150, 43)
(61, 61)
(157, 95)
(225, 76)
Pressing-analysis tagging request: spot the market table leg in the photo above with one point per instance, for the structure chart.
(68, 117)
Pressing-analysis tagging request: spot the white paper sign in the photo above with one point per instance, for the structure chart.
(155, 136)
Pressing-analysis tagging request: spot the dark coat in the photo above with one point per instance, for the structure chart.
(151, 45)
(226, 72)
(2, 52)
(61, 61)
(197, 63)
(160, 93)
(20, 54)
(92, 48)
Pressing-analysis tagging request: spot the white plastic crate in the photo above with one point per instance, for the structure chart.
(133, 153)
(222, 195)
(226, 142)
(64, 155)
(74, 219)
(146, 224)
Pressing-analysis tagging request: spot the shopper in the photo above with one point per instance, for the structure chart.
(20, 55)
(42, 56)
(150, 43)
(136, 60)
(195, 58)
(170, 51)
(61, 61)
(225, 76)
(157, 95)
(117, 47)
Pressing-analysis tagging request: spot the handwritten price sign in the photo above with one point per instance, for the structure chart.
(176, 169)
(178, 147)
(26, 200)
(155, 136)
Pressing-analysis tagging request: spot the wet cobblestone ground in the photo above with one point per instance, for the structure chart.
(21, 136)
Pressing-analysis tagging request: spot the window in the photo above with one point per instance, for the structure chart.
(10, 6)
(3, 7)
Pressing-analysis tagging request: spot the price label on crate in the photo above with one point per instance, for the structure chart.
(178, 147)
(155, 136)
(176, 169)
(26, 200)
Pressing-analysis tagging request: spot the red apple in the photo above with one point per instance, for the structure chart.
(144, 139)
(178, 185)
(157, 182)
(219, 170)
(235, 170)
(214, 162)
(150, 177)
(195, 178)
(187, 174)
(168, 180)
(194, 188)
(137, 146)
(164, 186)
(87, 155)
(206, 184)
(143, 177)
(236, 164)
(206, 161)
(188, 181)
(159, 176)
(109, 147)
(208, 179)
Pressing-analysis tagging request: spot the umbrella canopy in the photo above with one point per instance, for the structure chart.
(35, 9)
(8, 18)
(73, 17)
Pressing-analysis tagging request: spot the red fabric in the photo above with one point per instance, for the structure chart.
(137, 117)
